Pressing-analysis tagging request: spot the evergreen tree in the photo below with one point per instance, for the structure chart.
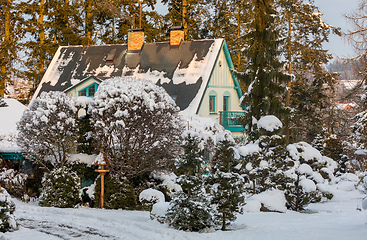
(227, 21)
(10, 35)
(305, 32)
(190, 14)
(264, 77)
(190, 209)
(60, 188)
(226, 185)
(7, 208)
(86, 143)
(119, 193)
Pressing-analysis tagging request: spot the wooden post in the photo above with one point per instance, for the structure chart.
(102, 171)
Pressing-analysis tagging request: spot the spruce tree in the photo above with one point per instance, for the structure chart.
(60, 188)
(305, 32)
(226, 183)
(7, 208)
(264, 76)
(190, 209)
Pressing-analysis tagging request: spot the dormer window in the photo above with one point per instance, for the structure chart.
(89, 91)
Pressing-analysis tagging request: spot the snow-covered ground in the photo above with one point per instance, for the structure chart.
(335, 219)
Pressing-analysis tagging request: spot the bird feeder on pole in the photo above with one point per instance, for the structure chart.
(102, 162)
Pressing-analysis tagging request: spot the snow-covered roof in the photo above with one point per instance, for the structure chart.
(10, 115)
(183, 71)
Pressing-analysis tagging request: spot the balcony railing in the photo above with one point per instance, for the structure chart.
(230, 120)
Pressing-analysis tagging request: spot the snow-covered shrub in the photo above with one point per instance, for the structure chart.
(118, 194)
(149, 197)
(14, 182)
(295, 169)
(226, 188)
(7, 208)
(265, 160)
(190, 208)
(60, 188)
(137, 123)
(48, 128)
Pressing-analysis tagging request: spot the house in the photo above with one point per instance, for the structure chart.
(196, 74)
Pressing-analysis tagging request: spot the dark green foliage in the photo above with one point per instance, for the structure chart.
(297, 198)
(7, 208)
(192, 160)
(190, 209)
(226, 185)
(333, 148)
(118, 194)
(265, 168)
(86, 143)
(264, 76)
(3, 103)
(60, 188)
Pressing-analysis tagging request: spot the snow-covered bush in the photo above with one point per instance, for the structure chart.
(60, 188)
(295, 169)
(226, 188)
(14, 182)
(7, 208)
(137, 123)
(48, 128)
(118, 194)
(190, 209)
(149, 197)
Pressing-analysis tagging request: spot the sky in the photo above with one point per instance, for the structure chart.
(333, 14)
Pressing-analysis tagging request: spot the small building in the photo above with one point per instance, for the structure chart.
(196, 74)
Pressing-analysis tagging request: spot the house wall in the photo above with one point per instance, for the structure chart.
(221, 84)
(74, 91)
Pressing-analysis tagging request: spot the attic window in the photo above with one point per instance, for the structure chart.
(110, 58)
(89, 91)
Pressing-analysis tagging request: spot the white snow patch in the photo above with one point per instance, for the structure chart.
(270, 123)
(272, 199)
(151, 195)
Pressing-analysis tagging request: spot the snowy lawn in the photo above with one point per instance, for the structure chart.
(335, 219)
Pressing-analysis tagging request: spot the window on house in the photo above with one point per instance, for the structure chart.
(83, 92)
(225, 103)
(89, 91)
(211, 103)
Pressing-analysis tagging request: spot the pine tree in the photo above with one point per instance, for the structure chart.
(7, 208)
(60, 188)
(226, 184)
(10, 35)
(190, 14)
(190, 209)
(305, 32)
(227, 21)
(264, 77)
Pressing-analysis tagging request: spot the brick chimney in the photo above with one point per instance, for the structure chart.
(177, 35)
(135, 39)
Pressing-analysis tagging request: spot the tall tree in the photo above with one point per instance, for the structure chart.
(264, 76)
(227, 21)
(9, 40)
(305, 32)
(190, 14)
